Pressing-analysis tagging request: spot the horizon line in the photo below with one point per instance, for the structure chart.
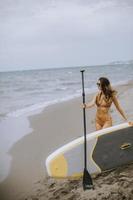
(78, 66)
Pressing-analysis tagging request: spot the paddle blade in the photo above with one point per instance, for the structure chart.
(87, 181)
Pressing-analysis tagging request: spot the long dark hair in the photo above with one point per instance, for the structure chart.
(106, 87)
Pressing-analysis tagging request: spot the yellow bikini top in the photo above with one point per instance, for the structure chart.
(102, 101)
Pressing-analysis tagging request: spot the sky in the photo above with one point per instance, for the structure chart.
(63, 33)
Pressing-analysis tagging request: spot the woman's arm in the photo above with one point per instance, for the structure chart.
(91, 103)
(118, 107)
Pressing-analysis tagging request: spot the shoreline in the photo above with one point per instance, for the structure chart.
(55, 126)
(33, 109)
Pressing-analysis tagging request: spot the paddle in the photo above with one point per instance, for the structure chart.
(87, 180)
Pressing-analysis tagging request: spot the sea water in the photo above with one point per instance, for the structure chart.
(25, 91)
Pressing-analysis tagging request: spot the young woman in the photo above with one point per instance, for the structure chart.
(103, 100)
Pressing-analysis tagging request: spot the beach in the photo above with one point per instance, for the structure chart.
(44, 48)
(50, 129)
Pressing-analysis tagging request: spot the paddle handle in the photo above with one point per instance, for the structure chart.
(84, 120)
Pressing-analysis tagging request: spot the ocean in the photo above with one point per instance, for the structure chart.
(24, 91)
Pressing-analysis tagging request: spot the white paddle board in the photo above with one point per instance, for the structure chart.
(106, 149)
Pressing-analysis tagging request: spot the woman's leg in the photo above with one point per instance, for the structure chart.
(108, 123)
(98, 126)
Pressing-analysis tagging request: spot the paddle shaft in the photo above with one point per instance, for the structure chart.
(87, 180)
(84, 120)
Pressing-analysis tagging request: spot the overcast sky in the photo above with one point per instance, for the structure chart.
(61, 33)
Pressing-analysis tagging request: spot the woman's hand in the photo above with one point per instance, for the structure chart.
(84, 105)
(130, 123)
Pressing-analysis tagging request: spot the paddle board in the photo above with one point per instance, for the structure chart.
(106, 149)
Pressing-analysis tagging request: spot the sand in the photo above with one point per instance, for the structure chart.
(114, 185)
(55, 126)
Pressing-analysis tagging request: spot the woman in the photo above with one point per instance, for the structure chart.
(103, 100)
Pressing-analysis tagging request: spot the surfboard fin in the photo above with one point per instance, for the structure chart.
(87, 181)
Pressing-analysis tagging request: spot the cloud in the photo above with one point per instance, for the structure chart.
(31, 29)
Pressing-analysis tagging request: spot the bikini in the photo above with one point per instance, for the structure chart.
(101, 120)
